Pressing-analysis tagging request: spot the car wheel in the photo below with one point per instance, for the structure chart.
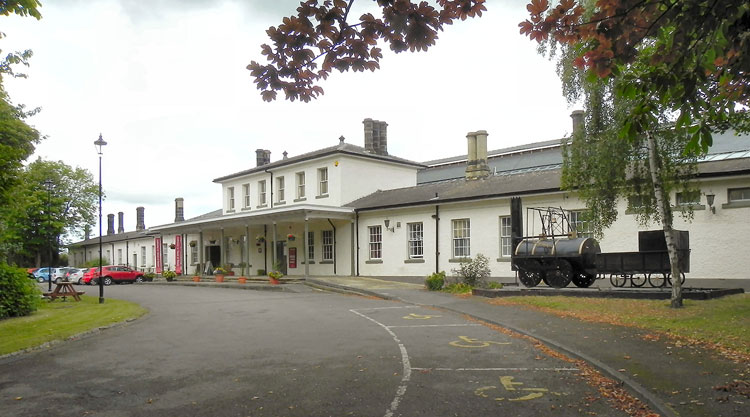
(40, 279)
(108, 281)
(58, 280)
(80, 281)
(93, 281)
(139, 279)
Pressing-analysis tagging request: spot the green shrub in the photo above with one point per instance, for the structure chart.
(19, 296)
(474, 271)
(435, 281)
(458, 288)
(275, 274)
(94, 263)
(494, 285)
(149, 275)
(169, 275)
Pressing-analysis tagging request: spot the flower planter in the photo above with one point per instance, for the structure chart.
(219, 277)
(196, 279)
(242, 280)
(274, 281)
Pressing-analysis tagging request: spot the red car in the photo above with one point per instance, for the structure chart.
(112, 273)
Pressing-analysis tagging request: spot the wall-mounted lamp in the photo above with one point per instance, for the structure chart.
(387, 223)
(710, 201)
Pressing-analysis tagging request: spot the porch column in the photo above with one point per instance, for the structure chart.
(247, 248)
(201, 249)
(273, 247)
(304, 247)
(221, 249)
(352, 261)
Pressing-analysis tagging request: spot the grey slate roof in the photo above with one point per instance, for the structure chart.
(341, 148)
(117, 237)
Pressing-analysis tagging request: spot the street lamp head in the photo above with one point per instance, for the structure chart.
(48, 184)
(99, 144)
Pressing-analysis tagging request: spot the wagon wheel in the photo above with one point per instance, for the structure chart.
(561, 275)
(638, 280)
(531, 274)
(618, 280)
(657, 280)
(583, 280)
(682, 278)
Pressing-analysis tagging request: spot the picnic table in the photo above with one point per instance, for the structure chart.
(64, 289)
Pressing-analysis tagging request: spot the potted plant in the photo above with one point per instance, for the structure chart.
(172, 246)
(219, 274)
(242, 279)
(228, 270)
(193, 243)
(149, 276)
(196, 278)
(290, 237)
(274, 277)
(259, 240)
(169, 275)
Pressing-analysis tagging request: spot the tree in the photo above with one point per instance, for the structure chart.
(37, 215)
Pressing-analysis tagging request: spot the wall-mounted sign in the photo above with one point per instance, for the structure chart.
(292, 257)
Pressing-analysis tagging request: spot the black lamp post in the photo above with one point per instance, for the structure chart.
(49, 184)
(99, 144)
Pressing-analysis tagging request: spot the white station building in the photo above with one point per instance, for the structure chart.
(349, 210)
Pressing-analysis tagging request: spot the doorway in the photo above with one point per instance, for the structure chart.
(281, 256)
(213, 255)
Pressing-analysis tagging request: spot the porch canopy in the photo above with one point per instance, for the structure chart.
(300, 214)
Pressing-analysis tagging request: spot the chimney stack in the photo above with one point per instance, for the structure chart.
(476, 159)
(120, 222)
(140, 225)
(578, 121)
(110, 224)
(179, 209)
(376, 136)
(262, 157)
(286, 155)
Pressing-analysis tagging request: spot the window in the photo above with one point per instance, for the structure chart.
(311, 246)
(415, 236)
(108, 257)
(635, 202)
(143, 256)
(300, 185)
(376, 242)
(327, 236)
(230, 196)
(246, 195)
(580, 221)
(688, 198)
(153, 256)
(119, 256)
(262, 193)
(165, 256)
(194, 254)
(739, 194)
(280, 189)
(323, 181)
(461, 238)
(505, 239)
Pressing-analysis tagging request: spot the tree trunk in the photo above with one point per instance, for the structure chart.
(662, 205)
(38, 258)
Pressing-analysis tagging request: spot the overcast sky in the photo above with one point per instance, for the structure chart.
(165, 83)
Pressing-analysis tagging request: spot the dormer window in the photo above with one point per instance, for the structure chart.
(230, 197)
(323, 181)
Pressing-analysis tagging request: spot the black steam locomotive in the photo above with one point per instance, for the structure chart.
(557, 256)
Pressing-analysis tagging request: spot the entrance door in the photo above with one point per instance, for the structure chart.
(213, 255)
(281, 257)
(135, 261)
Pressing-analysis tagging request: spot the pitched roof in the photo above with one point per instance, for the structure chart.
(116, 237)
(341, 148)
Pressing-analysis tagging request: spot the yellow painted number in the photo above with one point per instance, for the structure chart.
(413, 316)
(468, 342)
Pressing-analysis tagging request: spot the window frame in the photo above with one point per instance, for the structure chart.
(679, 196)
(461, 242)
(415, 240)
(300, 178)
(230, 198)
(310, 246)
(280, 194)
(246, 195)
(262, 200)
(323, 182)
(585, 225)
(375, 242)
(743, 190)
(505, 234)
(326, 237)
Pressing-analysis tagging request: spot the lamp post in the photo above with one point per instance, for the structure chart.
(99, 144)
(49, 184)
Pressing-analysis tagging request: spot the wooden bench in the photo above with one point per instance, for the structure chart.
(63, 290)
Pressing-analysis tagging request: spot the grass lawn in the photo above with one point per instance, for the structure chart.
(723, 321)
(59, 320)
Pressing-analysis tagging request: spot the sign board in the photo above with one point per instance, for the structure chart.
(292, 257)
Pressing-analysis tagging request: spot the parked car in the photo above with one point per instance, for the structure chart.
(112, 273)
(42, 274)
(76, 275)
(30, 272)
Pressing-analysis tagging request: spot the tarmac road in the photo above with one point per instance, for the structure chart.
(223, 352)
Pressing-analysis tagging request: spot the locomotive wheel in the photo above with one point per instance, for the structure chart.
(583, 280)
(638, 280)
(532, 275)
(618, 280)
(561, 275)
(657, 280)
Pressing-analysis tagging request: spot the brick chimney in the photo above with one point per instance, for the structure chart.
(110, 224)
(179, 209)
(140, 225)
(578, 120)
(120, 222)
(476, 159)
(262, 157)
(376, 136)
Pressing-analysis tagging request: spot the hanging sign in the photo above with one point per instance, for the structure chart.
(292, 257)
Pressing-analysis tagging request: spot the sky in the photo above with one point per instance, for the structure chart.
(165, 83)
